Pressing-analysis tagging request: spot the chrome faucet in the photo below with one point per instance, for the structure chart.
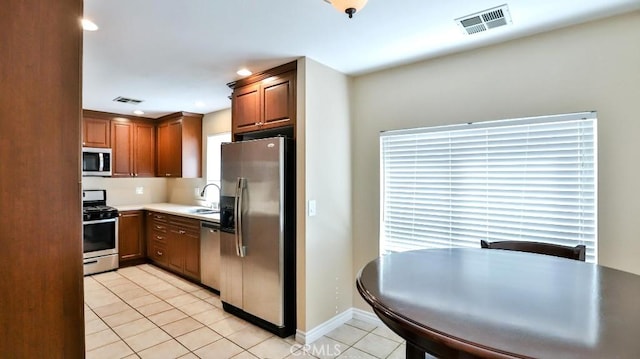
(216, 186)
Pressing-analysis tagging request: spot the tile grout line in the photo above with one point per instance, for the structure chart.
(130, 280)
(143, 315)
(166, 279)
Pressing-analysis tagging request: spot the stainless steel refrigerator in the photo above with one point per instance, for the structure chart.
(257, 234)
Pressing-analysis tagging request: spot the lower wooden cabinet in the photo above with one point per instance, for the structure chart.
(157, 225)
(131, 240)
(173, 242)
(184, 246)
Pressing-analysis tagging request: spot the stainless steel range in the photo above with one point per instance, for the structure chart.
(100, 232)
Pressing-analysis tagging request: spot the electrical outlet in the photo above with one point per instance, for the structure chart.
(139, 190)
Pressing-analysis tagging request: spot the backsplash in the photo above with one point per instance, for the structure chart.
(183, 191)
(125, 191)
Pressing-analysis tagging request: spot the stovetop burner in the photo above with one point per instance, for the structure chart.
(94, 206)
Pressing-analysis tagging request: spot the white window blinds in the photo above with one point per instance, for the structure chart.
(528, 179)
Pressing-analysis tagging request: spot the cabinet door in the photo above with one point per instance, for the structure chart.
(170, 149)
(130, 235)
(144, 153)
(122, 148)
(96, 132)
(175, 249)
(192, 254)
(246, 108)
(278, 101)
(163, 149)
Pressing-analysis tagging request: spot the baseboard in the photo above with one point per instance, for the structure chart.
(324, 328)
(333, 323)
(367, 317)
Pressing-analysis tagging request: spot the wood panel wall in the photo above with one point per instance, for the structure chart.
(41, 283)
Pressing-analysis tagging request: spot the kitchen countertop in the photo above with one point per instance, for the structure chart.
(175, 209)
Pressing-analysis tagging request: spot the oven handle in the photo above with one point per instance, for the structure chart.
(100, 221)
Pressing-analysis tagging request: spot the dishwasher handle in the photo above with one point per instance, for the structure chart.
(210, 225)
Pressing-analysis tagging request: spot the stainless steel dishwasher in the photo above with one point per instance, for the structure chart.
(210, 254)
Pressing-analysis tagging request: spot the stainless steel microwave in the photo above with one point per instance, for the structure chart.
(96, 161)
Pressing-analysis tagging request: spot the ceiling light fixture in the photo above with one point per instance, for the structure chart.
(88, 25)
(349, 7)
(138, 112)
(244, 72)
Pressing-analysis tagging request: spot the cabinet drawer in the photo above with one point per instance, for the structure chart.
(159, 217)
(184, 224)
(158, 236)
(159, 227)
(158, 252)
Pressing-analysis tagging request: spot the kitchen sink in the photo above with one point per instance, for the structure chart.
(203, 211)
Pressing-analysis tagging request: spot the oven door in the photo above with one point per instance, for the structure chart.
(100, 237)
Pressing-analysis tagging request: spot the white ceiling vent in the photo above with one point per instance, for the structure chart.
(127, 100)
(485, 20)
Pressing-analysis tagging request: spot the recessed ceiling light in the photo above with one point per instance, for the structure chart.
(244, 72)
(89, 25)
(138, 112)
(200, 104)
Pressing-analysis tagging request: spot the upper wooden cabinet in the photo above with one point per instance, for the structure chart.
(180, 145)
(95, 130)
(264, 101)
(170, 146)
(134, 147)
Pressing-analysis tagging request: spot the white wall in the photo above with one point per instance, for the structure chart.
(324, 175)
(594, 66)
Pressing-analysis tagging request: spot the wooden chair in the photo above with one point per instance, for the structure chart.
(578, 252)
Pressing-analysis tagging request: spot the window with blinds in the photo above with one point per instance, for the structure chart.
(528, 179)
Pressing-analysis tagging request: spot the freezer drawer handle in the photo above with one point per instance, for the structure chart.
(240, 186)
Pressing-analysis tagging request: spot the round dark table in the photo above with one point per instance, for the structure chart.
(488, 303)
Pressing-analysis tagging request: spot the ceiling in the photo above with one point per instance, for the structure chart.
(173, 54)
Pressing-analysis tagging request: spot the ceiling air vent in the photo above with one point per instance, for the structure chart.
(485, 20)
(127, 100)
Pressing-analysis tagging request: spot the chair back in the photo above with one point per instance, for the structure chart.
(578, 252)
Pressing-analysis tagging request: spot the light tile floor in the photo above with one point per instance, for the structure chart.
(146, 312)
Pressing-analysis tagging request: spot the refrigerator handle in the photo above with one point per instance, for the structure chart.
(240, 185)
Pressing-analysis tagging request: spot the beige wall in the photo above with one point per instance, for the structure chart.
(122, 191)
(324, 140)
(594, 66)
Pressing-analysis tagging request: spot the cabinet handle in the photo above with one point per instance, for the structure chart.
(167, 174)
(159, 227)
(159, 253)
(182, 232)
(160, 238)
